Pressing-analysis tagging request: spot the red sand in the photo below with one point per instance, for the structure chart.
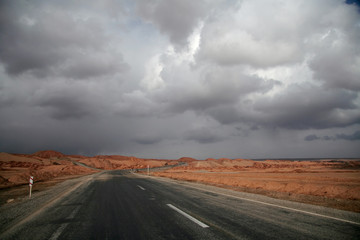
(338, 180)
(334, 183)
(15, 169)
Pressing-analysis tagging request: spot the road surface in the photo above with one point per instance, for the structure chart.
(119, 205)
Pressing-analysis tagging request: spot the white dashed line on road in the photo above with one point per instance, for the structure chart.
(141, 188)
(62, 227)
(271, 204)
(73, 213)
(201, 224)
(58, 231)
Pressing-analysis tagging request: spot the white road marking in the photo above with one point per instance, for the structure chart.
(141, 187)
(73, 213)
(58, 231)
(278, 206)
(201, 224)
(270, 204)
(64, 225)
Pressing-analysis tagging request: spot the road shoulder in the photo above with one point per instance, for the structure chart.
(340, 215)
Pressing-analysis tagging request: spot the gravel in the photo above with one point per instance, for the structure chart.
(17, 212)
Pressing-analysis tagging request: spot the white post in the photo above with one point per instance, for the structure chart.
(31, 182)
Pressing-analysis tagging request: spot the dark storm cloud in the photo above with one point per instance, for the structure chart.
(151, 78)
(352, 137)
(218, 87)
(203, 135)
(176, 18)
(225, 114)
(237, 36)
(148, 140)
(48, 41)
(311, 137)
(234, 36)
(338, 66)
(94, 65)
(38, 132)
(301, 106)
(44, 47)
(315, 137)
(64, 107)
(307, 106)
(348, 137)
(354, 2)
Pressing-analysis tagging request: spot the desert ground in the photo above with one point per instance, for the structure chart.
(328, 182)
(51, 167)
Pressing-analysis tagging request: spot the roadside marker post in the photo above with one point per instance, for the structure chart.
(31, 182)
(148, 170)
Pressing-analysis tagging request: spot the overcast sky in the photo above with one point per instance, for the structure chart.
(173, 78)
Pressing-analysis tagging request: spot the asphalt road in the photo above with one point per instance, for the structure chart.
(119, 205)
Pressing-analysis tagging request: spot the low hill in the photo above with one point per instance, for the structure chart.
(48, 154)
(15, 169)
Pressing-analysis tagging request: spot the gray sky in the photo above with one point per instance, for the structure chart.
(173, 78)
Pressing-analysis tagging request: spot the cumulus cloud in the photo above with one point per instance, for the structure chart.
(307, 106)
(52, 40)
(337, 61)
(94, 65)
(237, 36)
(170, 77)
(215, 88)
(175, 18)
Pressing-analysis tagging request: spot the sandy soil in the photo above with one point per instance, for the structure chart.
(50, 167)
(21, 192)
(332, 183)
(329, 182)
(15, 169)
(124, 162)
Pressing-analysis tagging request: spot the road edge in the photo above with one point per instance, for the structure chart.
(321, 211)
(47, 204)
